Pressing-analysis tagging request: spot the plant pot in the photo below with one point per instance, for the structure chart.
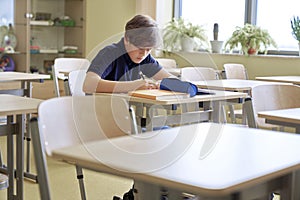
(252, 51)
(216, 46)
(187, 44)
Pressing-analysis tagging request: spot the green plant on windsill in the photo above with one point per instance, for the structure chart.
(295, 25)
(251, 39)
(177, 29)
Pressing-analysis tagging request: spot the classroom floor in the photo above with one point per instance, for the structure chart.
(64, 184)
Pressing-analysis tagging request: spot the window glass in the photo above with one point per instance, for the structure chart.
(7, 12)
(206, 13)
(275, 16)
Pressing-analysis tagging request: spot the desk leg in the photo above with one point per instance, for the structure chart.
(295, 192)
(149, 117)
(20, 155)
(218, 114)
(10, 160)
(248, 109)
(28, 93)
(139, 111)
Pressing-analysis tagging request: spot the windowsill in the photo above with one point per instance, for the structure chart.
(282, 54)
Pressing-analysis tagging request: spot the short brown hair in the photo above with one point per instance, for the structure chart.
(142, 31)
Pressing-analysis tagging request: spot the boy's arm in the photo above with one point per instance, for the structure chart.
(94, 84)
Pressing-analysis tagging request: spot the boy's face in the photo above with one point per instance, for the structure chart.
(137, 54)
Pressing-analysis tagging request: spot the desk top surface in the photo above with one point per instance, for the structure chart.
(214, 96)
(12, 105)
(231, 84)
(284, 79)
(21, 76)
(205, 158)
(291, 115)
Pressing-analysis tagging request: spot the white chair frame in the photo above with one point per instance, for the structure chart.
(72, 120)
(63, 66)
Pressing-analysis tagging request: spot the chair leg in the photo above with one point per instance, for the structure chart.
(134, 126)
(80, 181)
(232, 114)
(40, 160)
(67, 88)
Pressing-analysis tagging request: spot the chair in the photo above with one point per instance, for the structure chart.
(167, 62)
(68, 121)
(64, 66)
(235, 71)
(274, 97)
(198, 74)
(75, 82)
(169, 65)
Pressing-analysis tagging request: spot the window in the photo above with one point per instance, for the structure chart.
(7, 12)
(276, 20)
(231, 13)
(206, 13)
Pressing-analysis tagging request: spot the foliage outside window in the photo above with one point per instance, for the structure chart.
(295, 25)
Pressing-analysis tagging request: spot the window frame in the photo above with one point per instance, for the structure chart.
(250, 17)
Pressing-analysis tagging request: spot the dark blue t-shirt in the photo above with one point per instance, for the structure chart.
(113, 63)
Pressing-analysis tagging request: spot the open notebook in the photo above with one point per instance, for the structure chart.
(158, 94)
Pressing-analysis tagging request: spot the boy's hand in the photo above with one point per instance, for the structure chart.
(148, 85)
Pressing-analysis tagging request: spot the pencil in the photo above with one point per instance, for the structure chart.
(142, 75)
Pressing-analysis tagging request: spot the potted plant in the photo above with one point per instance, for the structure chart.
(178, 31)
(216, 45)
(295, 25)
(251, 39)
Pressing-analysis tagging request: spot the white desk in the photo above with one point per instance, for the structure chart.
(24, 78)
(210, 160)
(285, 117)
(231, 84)
(239, 85)
(24, 88)
(211, 105)
(11, 105)
(282, 79)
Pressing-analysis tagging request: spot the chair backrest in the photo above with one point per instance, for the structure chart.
(75, 81)
(67, 121)
(198, 74)
(167, 62)
(63, 66)
(235, 71)
(274, 97)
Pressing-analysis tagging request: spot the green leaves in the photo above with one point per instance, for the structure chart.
(179, 28)
(250, 36)
(295, 25)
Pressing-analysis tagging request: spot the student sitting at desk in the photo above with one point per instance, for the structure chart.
(119, 67)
